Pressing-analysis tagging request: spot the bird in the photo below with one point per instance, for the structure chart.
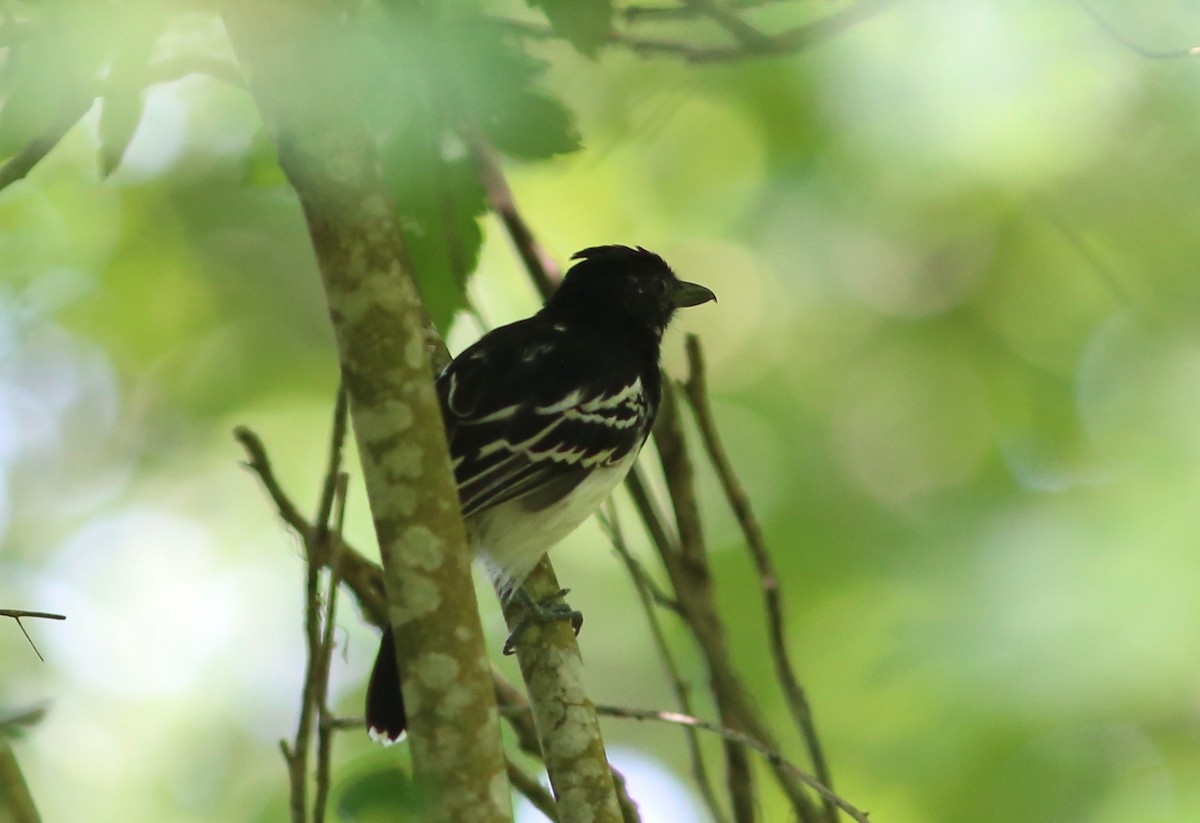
(544, 417)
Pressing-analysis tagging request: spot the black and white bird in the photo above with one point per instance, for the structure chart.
(545, 417)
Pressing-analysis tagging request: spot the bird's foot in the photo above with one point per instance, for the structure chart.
(542, 611)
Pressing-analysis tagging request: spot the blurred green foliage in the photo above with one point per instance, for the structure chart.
(956, 360)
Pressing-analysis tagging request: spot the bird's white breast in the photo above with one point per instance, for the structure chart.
(511, 554)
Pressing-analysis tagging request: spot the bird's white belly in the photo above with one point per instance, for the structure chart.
(511, 554)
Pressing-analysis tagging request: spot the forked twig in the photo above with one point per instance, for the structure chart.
(17, 614)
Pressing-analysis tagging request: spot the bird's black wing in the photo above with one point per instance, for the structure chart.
(536, 406)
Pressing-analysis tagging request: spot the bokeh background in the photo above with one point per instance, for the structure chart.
(956, 360)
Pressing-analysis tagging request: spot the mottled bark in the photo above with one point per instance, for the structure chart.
(563, 714)
(385, 344)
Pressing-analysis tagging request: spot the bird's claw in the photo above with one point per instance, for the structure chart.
(542, 611)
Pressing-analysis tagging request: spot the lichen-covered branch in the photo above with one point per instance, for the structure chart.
(287, 53)
(564, 717)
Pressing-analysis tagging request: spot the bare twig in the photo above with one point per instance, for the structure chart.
(325, 727)
(334, 479)
(648, 511)
(696, 390)
(790, 41)
(538, 263)
(741, 739)
(732, 22)
(534, 791)
(674, 676)
(566, 723)
(325, 718)
(514, 707)
(319, 619)
(687, 566)
(258, 462)
(17, 614)
(1138, 49)
(638, 14)
(611, 527)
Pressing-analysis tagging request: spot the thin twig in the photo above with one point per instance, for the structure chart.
(1136, 48)
(682, 689)
(789, 41)
(534, 791)
(325, 727)
(653, 519)
(696, 391)
(333, 472)
(691, 578)
(538, 263)
(739, 738)
(297, 754)
(732, 22)
(638, 14)
(258, 462)
(658, 597)
(514, 707)
(17, 614)
(319, 619)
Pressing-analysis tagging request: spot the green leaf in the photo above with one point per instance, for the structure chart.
(425, 79)
(534, 127)
(386, 794)
(585, 23)
(438, 202)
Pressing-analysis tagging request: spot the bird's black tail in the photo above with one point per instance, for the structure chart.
(386, 719)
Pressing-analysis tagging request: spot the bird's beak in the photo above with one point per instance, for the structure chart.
(691, 294)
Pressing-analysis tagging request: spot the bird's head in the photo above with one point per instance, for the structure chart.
(625, 285)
